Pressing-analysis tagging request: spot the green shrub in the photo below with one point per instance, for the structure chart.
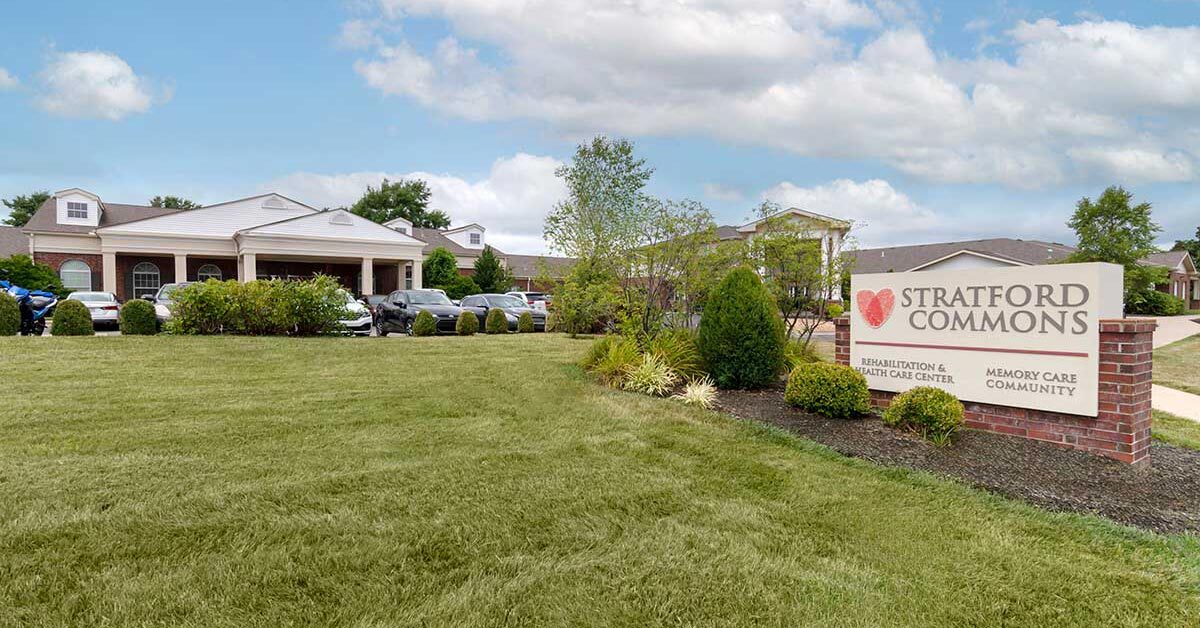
(699, 392)
(597, 350)
(22, 271)
(831, 390)
(137, 319)
(931, 412)
(424, 324)
(620, 356)
(467, 324)
(496, 322)
(650, 376)
(741, 333)
(1155, 303)
(552, 323)
(259, 308)
(796, 353)
(525, 323)
(587, 300)
(71, 318)
(833, 310)
(677, 349)
(459, 286)
(10, 315)
(214, 306)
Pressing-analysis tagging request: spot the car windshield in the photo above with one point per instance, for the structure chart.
(91, 297)
(428, 297)
(505, 301)
(164, 293)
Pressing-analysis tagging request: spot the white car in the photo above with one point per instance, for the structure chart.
(358, 316)
(103, 306)
(535, 300)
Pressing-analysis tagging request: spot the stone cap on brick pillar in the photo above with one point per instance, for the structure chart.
(1128, 325)
(842, 321)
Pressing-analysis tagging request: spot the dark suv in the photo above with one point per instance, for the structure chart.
(512, 307)
(397, 312)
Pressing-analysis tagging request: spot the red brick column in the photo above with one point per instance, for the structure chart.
(1121, 431)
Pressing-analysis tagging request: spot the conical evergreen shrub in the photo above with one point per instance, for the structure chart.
(741, 333)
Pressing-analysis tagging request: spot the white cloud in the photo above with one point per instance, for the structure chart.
(95, 85)
(784, 74)
(881, 214)
(7, 81)
(511, 202)
(359, 34)
(722, 192)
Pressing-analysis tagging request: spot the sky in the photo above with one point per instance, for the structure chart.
(919, 121)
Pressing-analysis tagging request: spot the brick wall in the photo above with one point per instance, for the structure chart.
(1121, 431)
(55, 260)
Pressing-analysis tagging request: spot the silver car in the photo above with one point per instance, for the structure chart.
(103, 306)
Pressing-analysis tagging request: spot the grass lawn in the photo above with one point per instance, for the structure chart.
(485, 481)
(1177, 365)
(1176, 430)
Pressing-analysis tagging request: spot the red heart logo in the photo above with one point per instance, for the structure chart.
(875, 307)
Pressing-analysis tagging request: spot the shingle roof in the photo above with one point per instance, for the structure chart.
(530, 265)
(13, 242)
(904, 258)
(434, 238)
(1170, 259)
(46, 217)
(728, 232)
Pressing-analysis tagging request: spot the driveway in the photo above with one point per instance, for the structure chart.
(1173, 329)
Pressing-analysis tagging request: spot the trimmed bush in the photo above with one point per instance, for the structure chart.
(931, 412)
(424, 324)
(467, 324)
(10, 315)
(137, 319)
(496, 322)
(741, 333)
(71, 318)
(1154, 303)
(259, 308)
(831, 390)
(833, 310)
(698, 392)
(677, 349)
(525, 323)
(650, 376)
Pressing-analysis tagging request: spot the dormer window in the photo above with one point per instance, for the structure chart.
(476, 238)
(403, 230)
(77, 210)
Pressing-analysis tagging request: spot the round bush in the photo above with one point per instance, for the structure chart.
(137, 318)
(741, 333)
(424, 324)
(932, 412)
(10, 315)
(467, 324)
(830, 390)
(525, 323)
(71, 318)
(833, 310)
(496, 322)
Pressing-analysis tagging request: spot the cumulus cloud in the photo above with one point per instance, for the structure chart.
(722, 192)
(95, 84)
(1061, 102)
(7, 81)
(511, 202)
(881, 213)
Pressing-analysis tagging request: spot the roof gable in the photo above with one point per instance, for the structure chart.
(814, 217)
(220, 220)
(335, 223)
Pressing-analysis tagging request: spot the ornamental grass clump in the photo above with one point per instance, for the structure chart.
(831, 390)
(424, 324)
(525, 323)
(467, 324)
(613, 360)
(741, 333)
(677, 349)
(650, 376)
(928, 411)
(10, 315)
(496, 322)
(137, 319)
(71, 318)
(699, 392)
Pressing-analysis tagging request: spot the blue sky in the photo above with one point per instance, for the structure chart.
(922, 121)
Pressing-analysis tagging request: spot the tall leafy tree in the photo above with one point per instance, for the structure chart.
(22, 208)
(1191, 246)
(173, 202)
(406, 198)
(440, 269)
(1113, 229)
(490, 274)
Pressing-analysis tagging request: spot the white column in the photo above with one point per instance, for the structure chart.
(401, 268)
(108, 262)
(249, 268)
(416, 266)
(368, 277)
(180, 267)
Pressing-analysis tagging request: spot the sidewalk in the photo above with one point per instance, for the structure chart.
(1181, 404)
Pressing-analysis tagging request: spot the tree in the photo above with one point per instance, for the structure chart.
(741, 337)
(1191, 246)
(174, 202)
(22, 208)
(440, 269)
(20, 270)
(406, 198)
(1113, 230)
(490, 274)
(676, 237)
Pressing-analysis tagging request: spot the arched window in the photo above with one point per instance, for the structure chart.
(75, 275)
(208, 271)
(145, 280)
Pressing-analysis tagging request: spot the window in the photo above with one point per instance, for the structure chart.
(408, 277)
(76, 210)
(75, 275)
(476, 238)
(145, 280)
(403, 230)
(208, 271)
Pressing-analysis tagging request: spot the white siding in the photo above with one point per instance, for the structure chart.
(218, 220)
(965, 261)
(92, 204)
(463, 238)
(338, 224)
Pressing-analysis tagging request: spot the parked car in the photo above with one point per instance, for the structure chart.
(103, 306)
(358, 317)
(396, 313)
(373, 301)
(163, 302)
(512, 307)
(536, 300)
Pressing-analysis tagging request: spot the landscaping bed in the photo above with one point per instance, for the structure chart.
(1164, 497)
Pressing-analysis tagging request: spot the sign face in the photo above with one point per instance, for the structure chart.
(1024, 336)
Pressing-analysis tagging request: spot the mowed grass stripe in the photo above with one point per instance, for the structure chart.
(486, 481)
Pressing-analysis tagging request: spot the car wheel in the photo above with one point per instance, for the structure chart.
(379, 330)
(408, 327)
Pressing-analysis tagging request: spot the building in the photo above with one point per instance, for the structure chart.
(131, 250)
(1183, 280)
(829, 231)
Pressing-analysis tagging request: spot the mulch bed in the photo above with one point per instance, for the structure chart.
(1164, 497)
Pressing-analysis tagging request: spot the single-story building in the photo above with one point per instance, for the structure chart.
(1183, 279)
(131, 250)
(13, 242)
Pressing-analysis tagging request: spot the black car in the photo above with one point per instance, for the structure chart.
(512, 307)
(397, 312)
